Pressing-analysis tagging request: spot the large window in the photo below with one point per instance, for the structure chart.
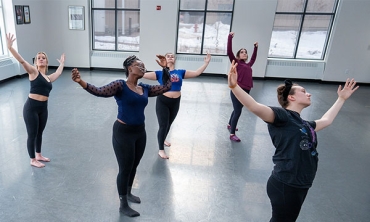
(204, 26)
(116, 25)
(2, 32)
(302, 28)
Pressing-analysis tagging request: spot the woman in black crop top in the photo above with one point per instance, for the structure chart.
(295, 141)
(129, 136)
(35, 112)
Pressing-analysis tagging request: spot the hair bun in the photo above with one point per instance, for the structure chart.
(288, 86)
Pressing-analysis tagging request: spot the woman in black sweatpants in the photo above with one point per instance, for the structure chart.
(166, 109)
(35, 110)
(35, 114)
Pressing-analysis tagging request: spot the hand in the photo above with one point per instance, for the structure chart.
(162, 61)
(61, 60)
(9, 40)
(349, 88)
(76, 75)
(232, 34)
(207, 59)
(256, 44)
(233, 75)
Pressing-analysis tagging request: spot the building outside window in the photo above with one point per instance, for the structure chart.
(203, 26)
(116, 25)
(302, 28)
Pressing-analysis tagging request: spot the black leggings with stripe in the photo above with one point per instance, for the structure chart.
(35, 115)
(129, 145)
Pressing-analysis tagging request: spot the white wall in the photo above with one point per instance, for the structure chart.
(158, 30)
(252, 21)
(349, 51)
(49, 32)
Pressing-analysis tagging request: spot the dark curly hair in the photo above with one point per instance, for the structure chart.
(128, 62)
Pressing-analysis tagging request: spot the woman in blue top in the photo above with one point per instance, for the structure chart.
(129, 136)
(295, 140)
(168, 104)
(35, 110)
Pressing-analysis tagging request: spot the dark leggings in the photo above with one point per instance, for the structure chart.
(233, 121)
(286, 201)
(129, 145)
(166, 109)
(35, 115)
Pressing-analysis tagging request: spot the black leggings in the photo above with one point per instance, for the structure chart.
(233, 121)
(286, 201)
(129, 146)
(166, 109)
(35, 115)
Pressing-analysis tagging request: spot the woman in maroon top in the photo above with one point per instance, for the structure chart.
(245, 81)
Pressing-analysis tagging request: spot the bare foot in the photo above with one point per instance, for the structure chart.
(42, 158)
(162, 154)
(36, 163)
(167, 143)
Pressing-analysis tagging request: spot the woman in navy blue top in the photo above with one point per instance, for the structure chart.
(35, 110)
(129, 136)
(295, 141)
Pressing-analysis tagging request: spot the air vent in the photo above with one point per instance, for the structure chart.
(292, 64)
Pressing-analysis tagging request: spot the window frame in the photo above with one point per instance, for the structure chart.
(205, 11)
(116, 10)
(303, 14)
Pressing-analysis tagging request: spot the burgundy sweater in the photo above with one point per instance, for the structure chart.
(244, 69)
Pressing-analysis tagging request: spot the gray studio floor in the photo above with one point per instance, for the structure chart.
(207, 178)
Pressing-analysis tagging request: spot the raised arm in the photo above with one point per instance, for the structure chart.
(162, 62)
(160, 89)
(54, 76)
(262, 111)
(30, 69)
(230, 47)
(200, 70)
(105, 91)
(254, 55)
(150, 76)
(343, 94)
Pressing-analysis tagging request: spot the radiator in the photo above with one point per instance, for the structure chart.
(9, 67)
(114, 60)
(295, 69)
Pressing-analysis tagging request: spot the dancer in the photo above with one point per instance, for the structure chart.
(245, 81)
(295, 141)
(168, 104)
(129, 135)
(35, 110)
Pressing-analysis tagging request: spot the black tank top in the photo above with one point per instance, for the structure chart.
(40, 86)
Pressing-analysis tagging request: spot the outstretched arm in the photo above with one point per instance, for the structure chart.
(254, 55)
(105, 91)
(262, 111)
(230, 47)
(162, 62)
(54, 76)
(30, 69)
(150, 75)
(200, 70)
(343, 94)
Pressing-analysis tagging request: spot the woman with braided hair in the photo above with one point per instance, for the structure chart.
(129, 135)
(295, 140)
